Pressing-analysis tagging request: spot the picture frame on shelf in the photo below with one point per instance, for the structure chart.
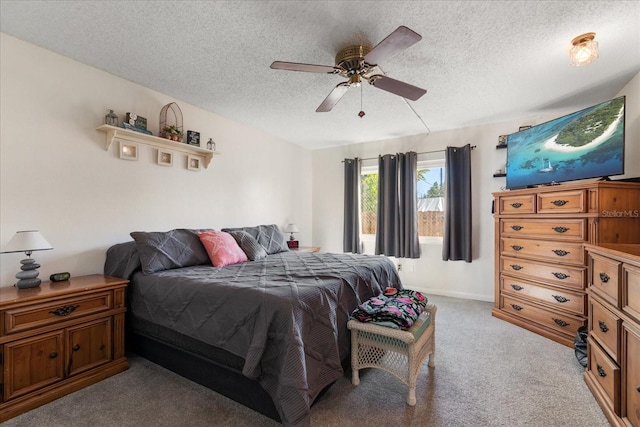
(165, 157)
(128, 150)
(135, 120)
(193, 163)
(193, 137)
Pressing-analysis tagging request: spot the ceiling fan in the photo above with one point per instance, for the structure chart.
(361, 62)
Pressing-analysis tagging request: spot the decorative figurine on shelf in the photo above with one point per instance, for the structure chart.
(172, 133)
(211, 145)
(111, 119)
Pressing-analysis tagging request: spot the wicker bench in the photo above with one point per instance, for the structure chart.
(398, 352)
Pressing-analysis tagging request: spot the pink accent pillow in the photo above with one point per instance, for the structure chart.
(222, 248)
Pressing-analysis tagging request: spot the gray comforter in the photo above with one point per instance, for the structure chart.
(285, 315)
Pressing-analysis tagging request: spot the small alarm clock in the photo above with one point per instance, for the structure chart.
(59, 277)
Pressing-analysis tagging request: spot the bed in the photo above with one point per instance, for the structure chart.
(269, 332)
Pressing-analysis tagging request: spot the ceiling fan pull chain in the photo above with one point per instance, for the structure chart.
(361, 113)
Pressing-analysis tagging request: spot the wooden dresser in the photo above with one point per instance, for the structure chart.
(540, 262)
(58, 338)
(613, 346)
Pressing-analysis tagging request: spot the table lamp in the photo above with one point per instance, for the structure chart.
(292, 228)
(27, 242)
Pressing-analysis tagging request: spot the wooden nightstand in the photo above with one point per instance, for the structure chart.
(58, 338)
(306, 249)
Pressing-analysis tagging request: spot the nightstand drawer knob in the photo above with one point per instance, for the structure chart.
(603, 326)
(601, 371)
(604, 277)
(53, 355)
(64, 311)
(76, 347)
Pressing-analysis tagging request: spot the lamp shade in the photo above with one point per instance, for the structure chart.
(27, 241)
(584, 50)
(292, 228)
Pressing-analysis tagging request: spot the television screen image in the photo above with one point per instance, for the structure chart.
(586, 144)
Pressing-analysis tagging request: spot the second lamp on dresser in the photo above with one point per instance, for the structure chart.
(540, 263)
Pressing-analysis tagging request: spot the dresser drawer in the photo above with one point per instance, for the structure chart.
(604, 278)
(523, 204)
(564, 252)
(33, 316)
(631, 291)
(605, 327)
(562, 323)
(562, 202)
(605, 373)
(562, 299)
(631, 375)
(557, 229)
(562, 275)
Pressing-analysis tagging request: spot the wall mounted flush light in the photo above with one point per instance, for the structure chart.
(27, 242)
(584, 50)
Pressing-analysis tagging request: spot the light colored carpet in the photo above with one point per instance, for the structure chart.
(488, 373)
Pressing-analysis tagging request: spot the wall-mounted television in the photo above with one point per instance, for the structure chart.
(586, 144)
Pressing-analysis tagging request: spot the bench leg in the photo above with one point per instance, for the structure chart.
(411, 397)
(355, 378)
(432, 360)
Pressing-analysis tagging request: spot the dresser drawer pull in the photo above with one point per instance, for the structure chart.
(604, 277)
(64, 311)
(638, 388)
(560, 298)
(560, 322)
(560, 229)
(53, 355)
(516, 205)
(517, 247)
(516, 267)
(76, 347)
(517, 287)
(559, 202)
(516, 307)
(561, 276)
(601, 371)
(560, 252)
(603, 326)
(517, 227)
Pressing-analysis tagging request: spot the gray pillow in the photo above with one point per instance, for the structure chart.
(249, 245)
(160, 251)
(269, 236)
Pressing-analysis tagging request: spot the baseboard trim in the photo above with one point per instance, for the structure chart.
(453, 294)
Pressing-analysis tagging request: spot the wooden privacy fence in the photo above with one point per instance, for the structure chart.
(430, 223)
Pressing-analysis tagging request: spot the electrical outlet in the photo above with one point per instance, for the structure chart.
(399, 267)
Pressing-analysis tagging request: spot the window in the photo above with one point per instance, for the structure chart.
(429, 192)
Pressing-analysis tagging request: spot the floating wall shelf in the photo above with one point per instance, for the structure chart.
(115, 133)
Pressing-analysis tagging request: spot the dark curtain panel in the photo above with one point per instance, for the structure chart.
(456, 244)
(351, 237)
(397, 224)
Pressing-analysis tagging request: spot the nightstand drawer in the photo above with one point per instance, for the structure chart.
(562, 201)
(24, 318)
(563, 299)
(564, 252)
(606, 374)
(605, 278)
(605, 327)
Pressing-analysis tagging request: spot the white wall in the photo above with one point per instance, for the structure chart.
(429, 273)
(55, 175)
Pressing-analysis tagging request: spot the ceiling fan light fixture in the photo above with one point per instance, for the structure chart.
(355, 80)
(584, 50)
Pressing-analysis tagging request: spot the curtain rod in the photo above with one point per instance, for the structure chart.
(422, 152)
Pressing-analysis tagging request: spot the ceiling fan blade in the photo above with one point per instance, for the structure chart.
(309, 68)
(395, 42)
(332, 99)
(397, 87)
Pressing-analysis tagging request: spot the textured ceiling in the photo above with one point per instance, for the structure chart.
(480, 61)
